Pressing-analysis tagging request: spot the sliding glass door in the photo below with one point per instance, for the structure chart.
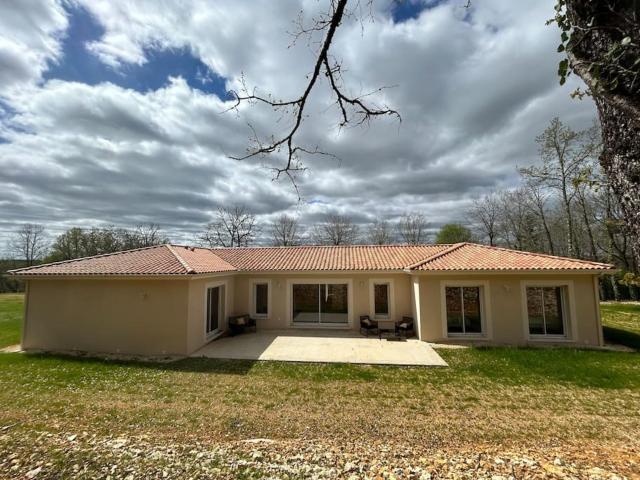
(320, 304)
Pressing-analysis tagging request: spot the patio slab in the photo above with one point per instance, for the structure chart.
(322, 347)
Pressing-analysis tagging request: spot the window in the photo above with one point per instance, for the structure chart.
(381, 300)
(545, 309)
(463, 309)
(325, 303)
(261, 299)
(215, 300)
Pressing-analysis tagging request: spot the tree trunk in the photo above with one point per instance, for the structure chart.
(620, 161)
(606, 23)
(587, 223)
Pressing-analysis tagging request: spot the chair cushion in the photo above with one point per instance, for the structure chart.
(241, 321)
(404, 325)
(366, 322)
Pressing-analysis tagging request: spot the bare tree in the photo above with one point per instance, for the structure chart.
(353, 109)
(485, 214)
(336, 230)
(284, 231)
(150, 234)
(565, 154)
(29, 243)
(233, 227)
(413, 228)
(518, 226)
(538, 199)
(380, 233)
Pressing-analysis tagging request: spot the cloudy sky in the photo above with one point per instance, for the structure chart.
(113, 112)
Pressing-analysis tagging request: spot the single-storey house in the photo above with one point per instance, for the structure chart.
(171, 300)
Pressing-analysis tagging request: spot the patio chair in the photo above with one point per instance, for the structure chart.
(367, 324)
(404, 327)
(240, 323)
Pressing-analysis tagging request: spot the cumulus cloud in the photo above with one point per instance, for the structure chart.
(474, 88)
(28, 40)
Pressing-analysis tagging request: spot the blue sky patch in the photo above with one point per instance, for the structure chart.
(403, 10)
(79, 65)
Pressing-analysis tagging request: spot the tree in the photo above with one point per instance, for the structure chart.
(566, 154)
(453, 233)
(284, 231)
(413, 228)
(147, 235)
(233, 227)
(602, 41)
(77, 242)
(519, 227)
(336, 230)
(29, 243)
(485, 213)
(380, 233)
(538, 199)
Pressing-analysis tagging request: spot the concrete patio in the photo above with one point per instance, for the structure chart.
(322, 346)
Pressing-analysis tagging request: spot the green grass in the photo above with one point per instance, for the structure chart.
(504, 395)
(11, 310)
(621, 323)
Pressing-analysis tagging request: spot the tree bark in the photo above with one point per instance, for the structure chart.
(600, 24)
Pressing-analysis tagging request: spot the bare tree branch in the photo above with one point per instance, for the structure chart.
(352, 109)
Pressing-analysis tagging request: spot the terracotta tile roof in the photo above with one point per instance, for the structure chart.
(346, 257)
(201, 260)
(158, 260)
(181, 260)
(471, 256)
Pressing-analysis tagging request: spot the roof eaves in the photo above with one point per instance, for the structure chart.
(17, 271)
(605, 266)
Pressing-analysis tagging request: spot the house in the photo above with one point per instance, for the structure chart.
(172, 299)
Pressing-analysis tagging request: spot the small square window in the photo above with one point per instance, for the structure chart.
(261, 299)
(381, 300)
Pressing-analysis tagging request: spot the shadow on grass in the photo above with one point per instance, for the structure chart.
(487, 367)
(312, 371)
(623, 337)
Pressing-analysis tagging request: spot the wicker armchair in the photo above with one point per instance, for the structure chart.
(240, 323)
(404, 327)
(367, 325)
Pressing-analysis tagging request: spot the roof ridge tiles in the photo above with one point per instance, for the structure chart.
(446, 251)
(182, 261)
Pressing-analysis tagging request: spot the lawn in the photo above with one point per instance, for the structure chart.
(621, 323)
(495, 411)
(11, 309)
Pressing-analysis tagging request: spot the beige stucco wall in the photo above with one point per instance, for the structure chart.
(280, 309)
(144, 317)
(504, 315)
(163, 317)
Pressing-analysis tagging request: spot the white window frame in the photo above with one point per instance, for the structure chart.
(391, 298)
(299, 281)
(222, 322)
(485, 309)
(568, 317)
(252, 297)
